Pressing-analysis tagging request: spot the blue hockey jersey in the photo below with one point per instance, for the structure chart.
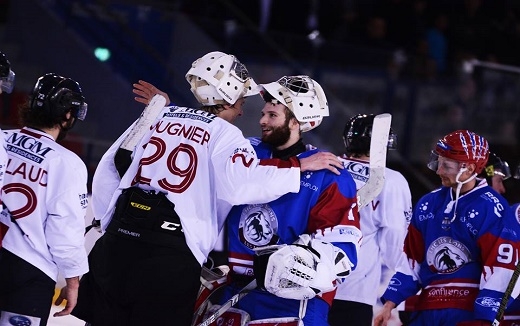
(325, 207)
(460, 256)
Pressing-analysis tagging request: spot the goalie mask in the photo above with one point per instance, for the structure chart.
(358, 133)
(219, 78)
(55, 95)
(7, 76)
(302, 95)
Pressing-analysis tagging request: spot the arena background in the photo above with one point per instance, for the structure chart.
(427, 62)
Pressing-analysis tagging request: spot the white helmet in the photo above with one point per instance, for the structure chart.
(303, 96)
(219, 78)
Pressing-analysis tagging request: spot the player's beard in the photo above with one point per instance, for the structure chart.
(278, 136)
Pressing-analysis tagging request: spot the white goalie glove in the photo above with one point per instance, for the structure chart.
(301, 271)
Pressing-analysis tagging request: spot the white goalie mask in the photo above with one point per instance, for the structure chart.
(219, 78)
(303, 96)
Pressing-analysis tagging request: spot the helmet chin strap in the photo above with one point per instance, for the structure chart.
(453, 204)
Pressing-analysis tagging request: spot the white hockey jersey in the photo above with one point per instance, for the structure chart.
(45, 192)
(384, 222)
(203, 164)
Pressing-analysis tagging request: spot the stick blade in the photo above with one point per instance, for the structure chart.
(378, 149)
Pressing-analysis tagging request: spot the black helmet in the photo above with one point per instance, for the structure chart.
(6, 74)
(57, 95)
(357, 134)
(495, 166)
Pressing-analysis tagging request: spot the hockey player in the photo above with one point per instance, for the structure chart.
(162, 218)
(383, 222)
(495, 172)
(44, 206)
(460, 246)
(323, 216)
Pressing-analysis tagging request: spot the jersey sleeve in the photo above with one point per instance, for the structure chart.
(242, 178)
(497, 245)
(65, 225)
(335, 216)
(396, 200)
(106, 179)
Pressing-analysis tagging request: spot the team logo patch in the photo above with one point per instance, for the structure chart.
(446, 255)
(517, 213)
(258, 226)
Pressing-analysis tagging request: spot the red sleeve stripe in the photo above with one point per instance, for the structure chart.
(292, 162)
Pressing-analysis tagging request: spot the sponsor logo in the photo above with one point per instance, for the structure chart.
(170, 226)
(446, 293)
(471, 214)
(499, 208)
(488, 302)
(130, 233)
(394, 282)
(140, 206)
(446, 255)
(19, 321)
(27, 146)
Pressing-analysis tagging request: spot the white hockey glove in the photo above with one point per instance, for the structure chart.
(301, 272)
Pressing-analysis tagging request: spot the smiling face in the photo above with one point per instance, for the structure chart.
(448, 170)
(277, 123)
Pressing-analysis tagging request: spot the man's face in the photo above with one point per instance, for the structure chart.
(447, 170)
(274, 124)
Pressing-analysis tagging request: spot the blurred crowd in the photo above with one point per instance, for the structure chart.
(423, 38)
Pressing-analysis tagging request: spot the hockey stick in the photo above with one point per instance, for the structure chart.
(378, 149)
(228, 304)
(507, 294)
(123, 156)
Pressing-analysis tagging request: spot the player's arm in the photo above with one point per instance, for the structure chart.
(394, 211)
(242, 178)
(498, 252)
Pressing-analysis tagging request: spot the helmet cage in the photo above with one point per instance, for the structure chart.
(219, 78)
(303, 96)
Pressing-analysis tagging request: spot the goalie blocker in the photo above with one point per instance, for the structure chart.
(301, 270)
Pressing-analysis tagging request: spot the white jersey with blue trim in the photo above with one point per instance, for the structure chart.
(384, 222)
(45, 195)
(203, 164)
